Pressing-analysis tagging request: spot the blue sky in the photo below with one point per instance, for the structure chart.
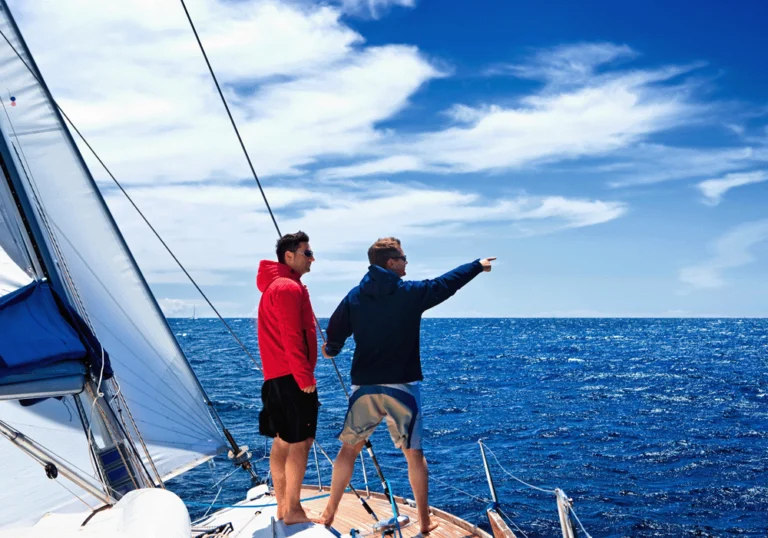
(613, 156)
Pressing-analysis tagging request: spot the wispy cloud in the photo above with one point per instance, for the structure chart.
(301, 83)
(174, 307)
(577, 114)
(730, 251)
(342, 221)
(648, 164)
(373, 8)
(567, 64)
(714, 189)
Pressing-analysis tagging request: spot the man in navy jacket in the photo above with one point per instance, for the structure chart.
(384, 314)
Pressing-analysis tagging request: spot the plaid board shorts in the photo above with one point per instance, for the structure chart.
(400, 404)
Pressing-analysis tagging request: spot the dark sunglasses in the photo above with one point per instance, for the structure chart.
(309, 254)
(403, 257)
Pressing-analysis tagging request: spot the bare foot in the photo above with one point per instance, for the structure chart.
(296, 516)
(280, 515)
(429, 527)
(325, 519)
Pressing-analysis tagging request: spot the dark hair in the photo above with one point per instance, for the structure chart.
(383, 250)
(290, 243)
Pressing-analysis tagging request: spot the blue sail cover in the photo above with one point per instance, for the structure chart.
(33, 332)
(44, 346)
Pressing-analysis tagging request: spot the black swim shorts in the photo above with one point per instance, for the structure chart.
(288, 412)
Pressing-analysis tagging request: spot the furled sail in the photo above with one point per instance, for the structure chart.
(105, 286)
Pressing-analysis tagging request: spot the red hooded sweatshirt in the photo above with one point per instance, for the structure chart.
(287, 336)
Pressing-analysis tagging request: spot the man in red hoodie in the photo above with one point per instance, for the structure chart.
(288, 347)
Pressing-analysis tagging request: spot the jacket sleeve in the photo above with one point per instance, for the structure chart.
(289, 298)
(435, 291)
(339, 328)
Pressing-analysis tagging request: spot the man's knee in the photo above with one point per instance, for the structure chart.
(413, 453)
(351, 451)
(414, 456)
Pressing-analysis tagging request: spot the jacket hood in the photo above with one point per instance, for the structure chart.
(379, 282)
(270, 271)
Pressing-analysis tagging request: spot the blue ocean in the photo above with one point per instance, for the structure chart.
(654, 427)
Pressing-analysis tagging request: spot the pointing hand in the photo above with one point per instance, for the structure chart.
(486, 263)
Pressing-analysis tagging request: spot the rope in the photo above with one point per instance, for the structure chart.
(579, 522)
(146, 221)
(510, 521)
(216, 498)
(157, 235)
(91, 442)
(394, 510)
(570, 507)
(60, 260)
(136, 429)
(432, 477)
(247, 155)
(314, 498)
(231, 119)
(550, 491)
(475, 497)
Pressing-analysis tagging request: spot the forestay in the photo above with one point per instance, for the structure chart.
(103, 282)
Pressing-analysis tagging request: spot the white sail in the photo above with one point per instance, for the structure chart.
(102, 279)
(12, 277)
(15, 267)
(55, 425)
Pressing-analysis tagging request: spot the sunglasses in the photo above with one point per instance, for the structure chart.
(309, 254)
(403, 257)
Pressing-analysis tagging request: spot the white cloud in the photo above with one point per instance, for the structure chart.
(730, 251)
(577, 114)
(714, 189)
(299, 81)
(373, 8)
(304, 88)
(172, 307)
(647, 164)
(221, 233)
(568, 64)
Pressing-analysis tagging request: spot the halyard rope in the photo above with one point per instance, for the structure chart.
(553, 492)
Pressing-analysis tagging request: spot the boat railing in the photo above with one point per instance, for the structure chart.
(566, 513)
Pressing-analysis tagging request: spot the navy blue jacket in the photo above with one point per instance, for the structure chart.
(384, 315)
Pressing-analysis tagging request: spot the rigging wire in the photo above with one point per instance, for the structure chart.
(368, 445)
(553, 492)
(141, 214)
(231, 119)
(245, 465)
(512, 522)
(550, 491)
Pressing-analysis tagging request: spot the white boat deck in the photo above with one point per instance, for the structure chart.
(257, 521)
(158, 513)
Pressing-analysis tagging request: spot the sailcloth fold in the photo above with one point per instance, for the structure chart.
(104, 284)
